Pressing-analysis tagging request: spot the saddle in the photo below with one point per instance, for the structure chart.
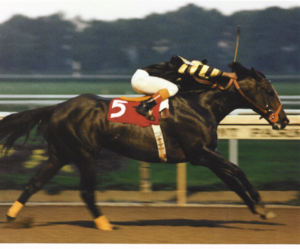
(164, 112)
(121, 110)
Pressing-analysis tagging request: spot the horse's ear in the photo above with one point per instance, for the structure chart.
(240, 70)
(234, 67)
(237, 67)
(254, 74)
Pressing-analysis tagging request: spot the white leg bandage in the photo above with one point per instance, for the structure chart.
(146, 84)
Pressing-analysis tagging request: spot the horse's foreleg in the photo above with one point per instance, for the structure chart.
(235, 186)
(87, 187)
(239, 174)
(227, 172)
(46, 172)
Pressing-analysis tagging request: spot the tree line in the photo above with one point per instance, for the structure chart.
(270, 41)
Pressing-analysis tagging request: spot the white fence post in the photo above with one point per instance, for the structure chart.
(145, 182)
(181, 184)
(233, 151)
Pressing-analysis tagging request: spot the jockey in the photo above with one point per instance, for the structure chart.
(159, 80)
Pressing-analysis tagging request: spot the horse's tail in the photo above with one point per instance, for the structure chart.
(19, 124)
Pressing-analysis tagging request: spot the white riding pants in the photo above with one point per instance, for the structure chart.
(142, 82)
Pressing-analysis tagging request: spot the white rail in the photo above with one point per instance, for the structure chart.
(49, 99)
(63, 77)
(103, 76)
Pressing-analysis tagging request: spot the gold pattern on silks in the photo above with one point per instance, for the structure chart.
(160, 143)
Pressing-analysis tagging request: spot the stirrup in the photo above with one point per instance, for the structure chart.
(150, 117)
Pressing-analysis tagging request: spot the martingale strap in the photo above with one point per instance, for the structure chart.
(160, 143)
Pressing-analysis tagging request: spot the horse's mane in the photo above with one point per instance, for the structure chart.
(243, 72)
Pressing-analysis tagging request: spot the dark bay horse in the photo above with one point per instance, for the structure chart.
(77, 129)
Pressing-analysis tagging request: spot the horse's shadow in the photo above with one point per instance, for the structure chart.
(79, 223)
(171, 223)
(193, 223)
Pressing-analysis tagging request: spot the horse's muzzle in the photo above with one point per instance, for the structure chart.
(281, 124)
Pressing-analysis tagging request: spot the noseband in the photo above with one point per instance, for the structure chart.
(273, 116)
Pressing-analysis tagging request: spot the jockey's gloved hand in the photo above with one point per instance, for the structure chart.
(230, 75)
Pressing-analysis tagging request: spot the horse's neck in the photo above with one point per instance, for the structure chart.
(220, 103)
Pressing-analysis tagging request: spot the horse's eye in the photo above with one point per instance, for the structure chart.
(271, 93)
(268, 87)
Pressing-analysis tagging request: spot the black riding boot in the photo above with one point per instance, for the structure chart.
(144, 107)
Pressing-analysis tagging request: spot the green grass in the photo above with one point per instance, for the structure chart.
(269, 165)
(287, 88)
(76, 87)
(66, 87)
(119, 88)
(100, 88)
(267, 162)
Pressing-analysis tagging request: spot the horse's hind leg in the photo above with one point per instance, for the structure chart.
(87, 168)
(45, 173)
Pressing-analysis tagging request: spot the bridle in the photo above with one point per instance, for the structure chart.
(272, 116)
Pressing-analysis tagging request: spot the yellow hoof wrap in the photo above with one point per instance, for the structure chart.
(15, 209)
(102, 223)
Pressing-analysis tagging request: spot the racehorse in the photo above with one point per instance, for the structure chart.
(78, 128)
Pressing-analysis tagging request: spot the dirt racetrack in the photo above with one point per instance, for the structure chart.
(159, 225)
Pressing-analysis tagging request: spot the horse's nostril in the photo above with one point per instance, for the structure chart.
(284, 123)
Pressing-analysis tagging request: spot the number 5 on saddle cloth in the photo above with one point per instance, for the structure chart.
(121, 110)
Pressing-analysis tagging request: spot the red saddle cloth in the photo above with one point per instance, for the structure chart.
(122, 111)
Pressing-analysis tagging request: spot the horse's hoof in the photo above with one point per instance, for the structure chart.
(102, 223)
(269, 215)
(264, 213)
(9, 219)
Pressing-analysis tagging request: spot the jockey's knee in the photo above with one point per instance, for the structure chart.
(138, 79)
(143, 83)
(173, 89)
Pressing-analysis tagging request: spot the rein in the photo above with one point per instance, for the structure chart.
(273, 117)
